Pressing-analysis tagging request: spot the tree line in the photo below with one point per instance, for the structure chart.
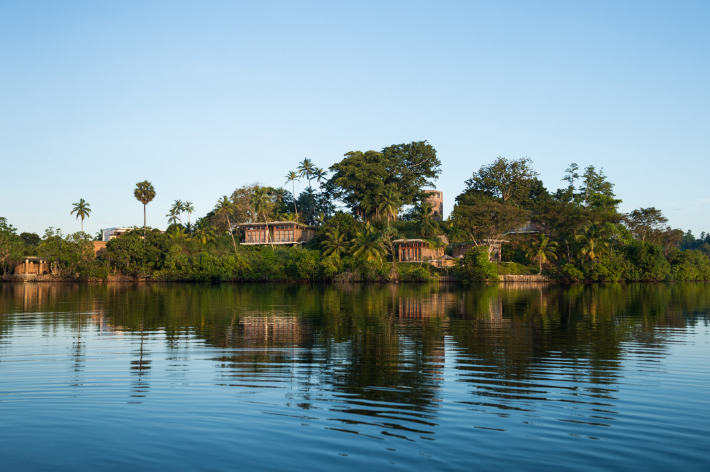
(363, 204)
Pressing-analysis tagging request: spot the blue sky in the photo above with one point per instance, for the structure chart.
(203, 97)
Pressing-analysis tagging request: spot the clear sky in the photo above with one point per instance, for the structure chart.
(202, 97)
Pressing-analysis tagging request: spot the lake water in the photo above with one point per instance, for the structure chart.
(314, 377)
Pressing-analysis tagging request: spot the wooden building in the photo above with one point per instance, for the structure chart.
(417, 250)
(277, 232)
(32, 266)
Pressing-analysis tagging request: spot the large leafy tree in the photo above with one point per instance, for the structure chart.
(487, 222)
(144, 193)
(361, 177)
(10, 246)
(82, 210)
(506, 180)
(647, 224)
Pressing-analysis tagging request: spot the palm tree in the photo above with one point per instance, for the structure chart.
(293, 178)
(188, 208)
(306, 169)
(367, 244)
(172, 217)
(177, 208)
(389, 204)
(204, 232)
(544, 250)
(82, 210)
(592, 243)
(224, 208)
(427, 226)
(319, 174)
(261, 202)
(144, 193)
(335, 243)
(178, 234)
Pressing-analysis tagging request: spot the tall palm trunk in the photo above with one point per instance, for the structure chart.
(144, 220)
(229, 227)
(268, 233)
(294, 199)
(82, 225)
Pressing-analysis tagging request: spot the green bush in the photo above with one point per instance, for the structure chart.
(647, 262)
(572, 273)
(475, 266)
(689, 266)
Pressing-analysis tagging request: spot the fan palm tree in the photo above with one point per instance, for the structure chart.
(335, 243)
(427, 226)
(293, 178)
(367, 244)
(389, 204)
(144, 193)
(592, 243)
(261, 201)
(82, 211)
(544, 250)
(224, 208)
(204, 232)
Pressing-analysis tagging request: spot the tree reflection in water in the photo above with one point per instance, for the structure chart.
(377, 357)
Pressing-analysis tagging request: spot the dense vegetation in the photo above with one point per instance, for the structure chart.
(370, 200)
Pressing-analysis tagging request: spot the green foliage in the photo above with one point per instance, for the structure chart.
(30, 239)
(11, 246)
(573, 273)
(416, 274)
(689, 266)
(70, 256)
(475, 266)
(610, 267)
(648, 264)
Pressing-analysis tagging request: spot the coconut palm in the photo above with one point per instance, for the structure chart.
(592, 243)
(319, 174)
(204, 232)
(389, 204)
(293, 178)
(172, 217)
(82, 211)
(144, 193)
(178, 208)
(367, 244)
(307, 169)
(335, 243)
(178, 234)
(188, 208)
(261, 201)
(544, 250)
(224, 208)
(427, 226)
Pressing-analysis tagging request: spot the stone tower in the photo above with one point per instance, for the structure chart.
(436, 199)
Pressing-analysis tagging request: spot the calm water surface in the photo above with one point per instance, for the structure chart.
(119, 377)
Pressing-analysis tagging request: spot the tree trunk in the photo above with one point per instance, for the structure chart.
(229, 227)
(294, 199)
(268, 233)
(144, 220)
